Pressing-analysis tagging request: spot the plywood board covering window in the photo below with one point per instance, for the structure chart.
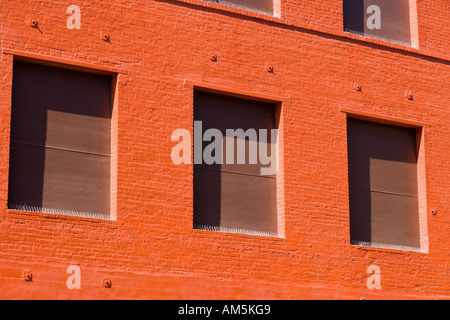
(232, 196)
(260, 6)
(382, 163)
(60, 141)
(381, 19)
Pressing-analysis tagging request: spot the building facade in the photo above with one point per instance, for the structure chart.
(114, 122)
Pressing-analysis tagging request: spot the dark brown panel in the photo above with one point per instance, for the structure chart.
(360, 215)
(207, 197)
(395, 219)
(26, 175)
(384, 218)
(56, 179)
(79, 132)
(395, 19)
(250, 149)
(231, 200)
(393, 176)
(248, 202)
(64, 76)
(382, 157)
(389, 131)
(76, 181)
(383, 183)
(263, 6)
(223, 112)
(354, 16)
(66, 110)
(241, 113)
(395, 24)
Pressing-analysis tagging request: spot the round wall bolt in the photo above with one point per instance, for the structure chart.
(358, 87)
(34, 23)
(433, 211)
(106, 282)
(105, 37)
(269, 69)
(27, 276)
(213, 57)
(410, 96)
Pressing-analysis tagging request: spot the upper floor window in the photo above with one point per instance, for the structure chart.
(235, 179)
(60, 141)
(381, 19)
(260, 6)
(383, 185)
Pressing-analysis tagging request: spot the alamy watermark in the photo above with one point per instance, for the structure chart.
(213, 153)
(374, 20)
(74, 20)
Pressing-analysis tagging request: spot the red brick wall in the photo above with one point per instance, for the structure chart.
(160, 51)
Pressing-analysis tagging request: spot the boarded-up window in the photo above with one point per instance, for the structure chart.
(261, 6)
(387, 20)
(382, 163)
(231, 195)
(60, 141)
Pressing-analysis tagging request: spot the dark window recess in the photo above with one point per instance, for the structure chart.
(60, 141)
(387, 20)
(261, 6)
(235, 197)
(382, 163)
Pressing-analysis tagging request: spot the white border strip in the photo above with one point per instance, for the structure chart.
(236, 230)
(384, 245)
(23, 207)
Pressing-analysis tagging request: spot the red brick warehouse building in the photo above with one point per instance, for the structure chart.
(92, 205)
